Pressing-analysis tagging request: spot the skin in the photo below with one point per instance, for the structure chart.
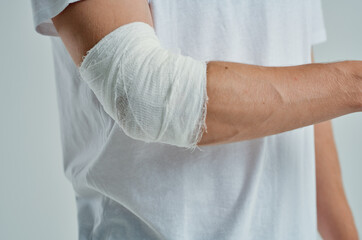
(248, 101)
(334, 216)
(245, 101)
(335, 219)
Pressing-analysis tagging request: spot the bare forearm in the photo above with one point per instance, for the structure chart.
(247, 101)
(335, 219)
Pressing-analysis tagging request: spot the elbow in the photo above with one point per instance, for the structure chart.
(152, 93)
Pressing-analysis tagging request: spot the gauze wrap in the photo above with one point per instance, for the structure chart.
(154, 94)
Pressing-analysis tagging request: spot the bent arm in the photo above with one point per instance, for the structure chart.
(245, 101)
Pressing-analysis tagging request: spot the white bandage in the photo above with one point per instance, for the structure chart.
(154, 94)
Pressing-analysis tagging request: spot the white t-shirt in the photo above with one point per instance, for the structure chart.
(257, 189)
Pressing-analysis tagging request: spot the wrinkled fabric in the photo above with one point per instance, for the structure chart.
(252, 190)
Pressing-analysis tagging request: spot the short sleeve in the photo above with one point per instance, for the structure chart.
(44, 10)
(318, 34)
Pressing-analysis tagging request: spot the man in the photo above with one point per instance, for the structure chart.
(255, 176)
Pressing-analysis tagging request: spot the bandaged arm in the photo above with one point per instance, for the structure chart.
(158, 96)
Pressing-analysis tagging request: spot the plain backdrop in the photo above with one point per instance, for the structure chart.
(37, 201)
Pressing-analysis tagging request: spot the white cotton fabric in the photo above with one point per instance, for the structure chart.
(252, 190)
(154, 94)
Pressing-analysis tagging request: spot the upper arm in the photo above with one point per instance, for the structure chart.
(82, 24)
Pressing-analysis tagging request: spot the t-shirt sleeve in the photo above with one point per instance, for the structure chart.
(44, 10)
(318, 34)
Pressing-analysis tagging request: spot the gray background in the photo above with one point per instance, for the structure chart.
(37, 202)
